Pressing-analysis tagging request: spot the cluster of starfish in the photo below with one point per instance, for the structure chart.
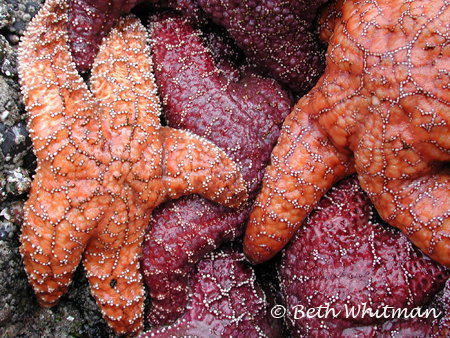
(105, 162)
(235, 109)
(277, 35)
(381, 109)
(344, 259)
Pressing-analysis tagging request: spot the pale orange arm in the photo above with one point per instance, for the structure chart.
(58, 103)
(194, 165)
(304, 165)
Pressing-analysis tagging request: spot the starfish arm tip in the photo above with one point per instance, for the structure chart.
(194, 165)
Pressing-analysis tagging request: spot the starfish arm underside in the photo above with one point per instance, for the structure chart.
(194, 165)
(304, 165)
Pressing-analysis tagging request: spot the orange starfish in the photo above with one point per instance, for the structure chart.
(104, 163)
(381, 108)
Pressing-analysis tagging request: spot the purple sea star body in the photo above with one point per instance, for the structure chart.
(348, 264)
(230, 304)
(237, 110)
(90, 21)
(277, 35)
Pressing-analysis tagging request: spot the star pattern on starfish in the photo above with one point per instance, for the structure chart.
(104, 163)
(380, 109)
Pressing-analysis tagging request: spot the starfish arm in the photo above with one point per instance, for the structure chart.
(55, 233)
(111, 261)
(123, 82)
(304, 165)
(194, 165)
(61, 108)
(63, 128)
(417, 208)
(405, 176)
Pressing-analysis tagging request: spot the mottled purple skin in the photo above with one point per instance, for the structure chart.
(180, 233)
(237, 110)
(224, 51)
(230, 304)
(345, 256)
(426, 326)
(91, 20)
(277, 35)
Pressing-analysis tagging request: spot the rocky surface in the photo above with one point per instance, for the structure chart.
(21, 316)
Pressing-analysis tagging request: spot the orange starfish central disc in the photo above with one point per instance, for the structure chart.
(381, 108)
(104, 163)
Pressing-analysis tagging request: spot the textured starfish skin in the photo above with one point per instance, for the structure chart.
(234, 108)
(90, 21)
(381, 108)
(232, 304)
(344, 256)
(276, 35)
(104, 163)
